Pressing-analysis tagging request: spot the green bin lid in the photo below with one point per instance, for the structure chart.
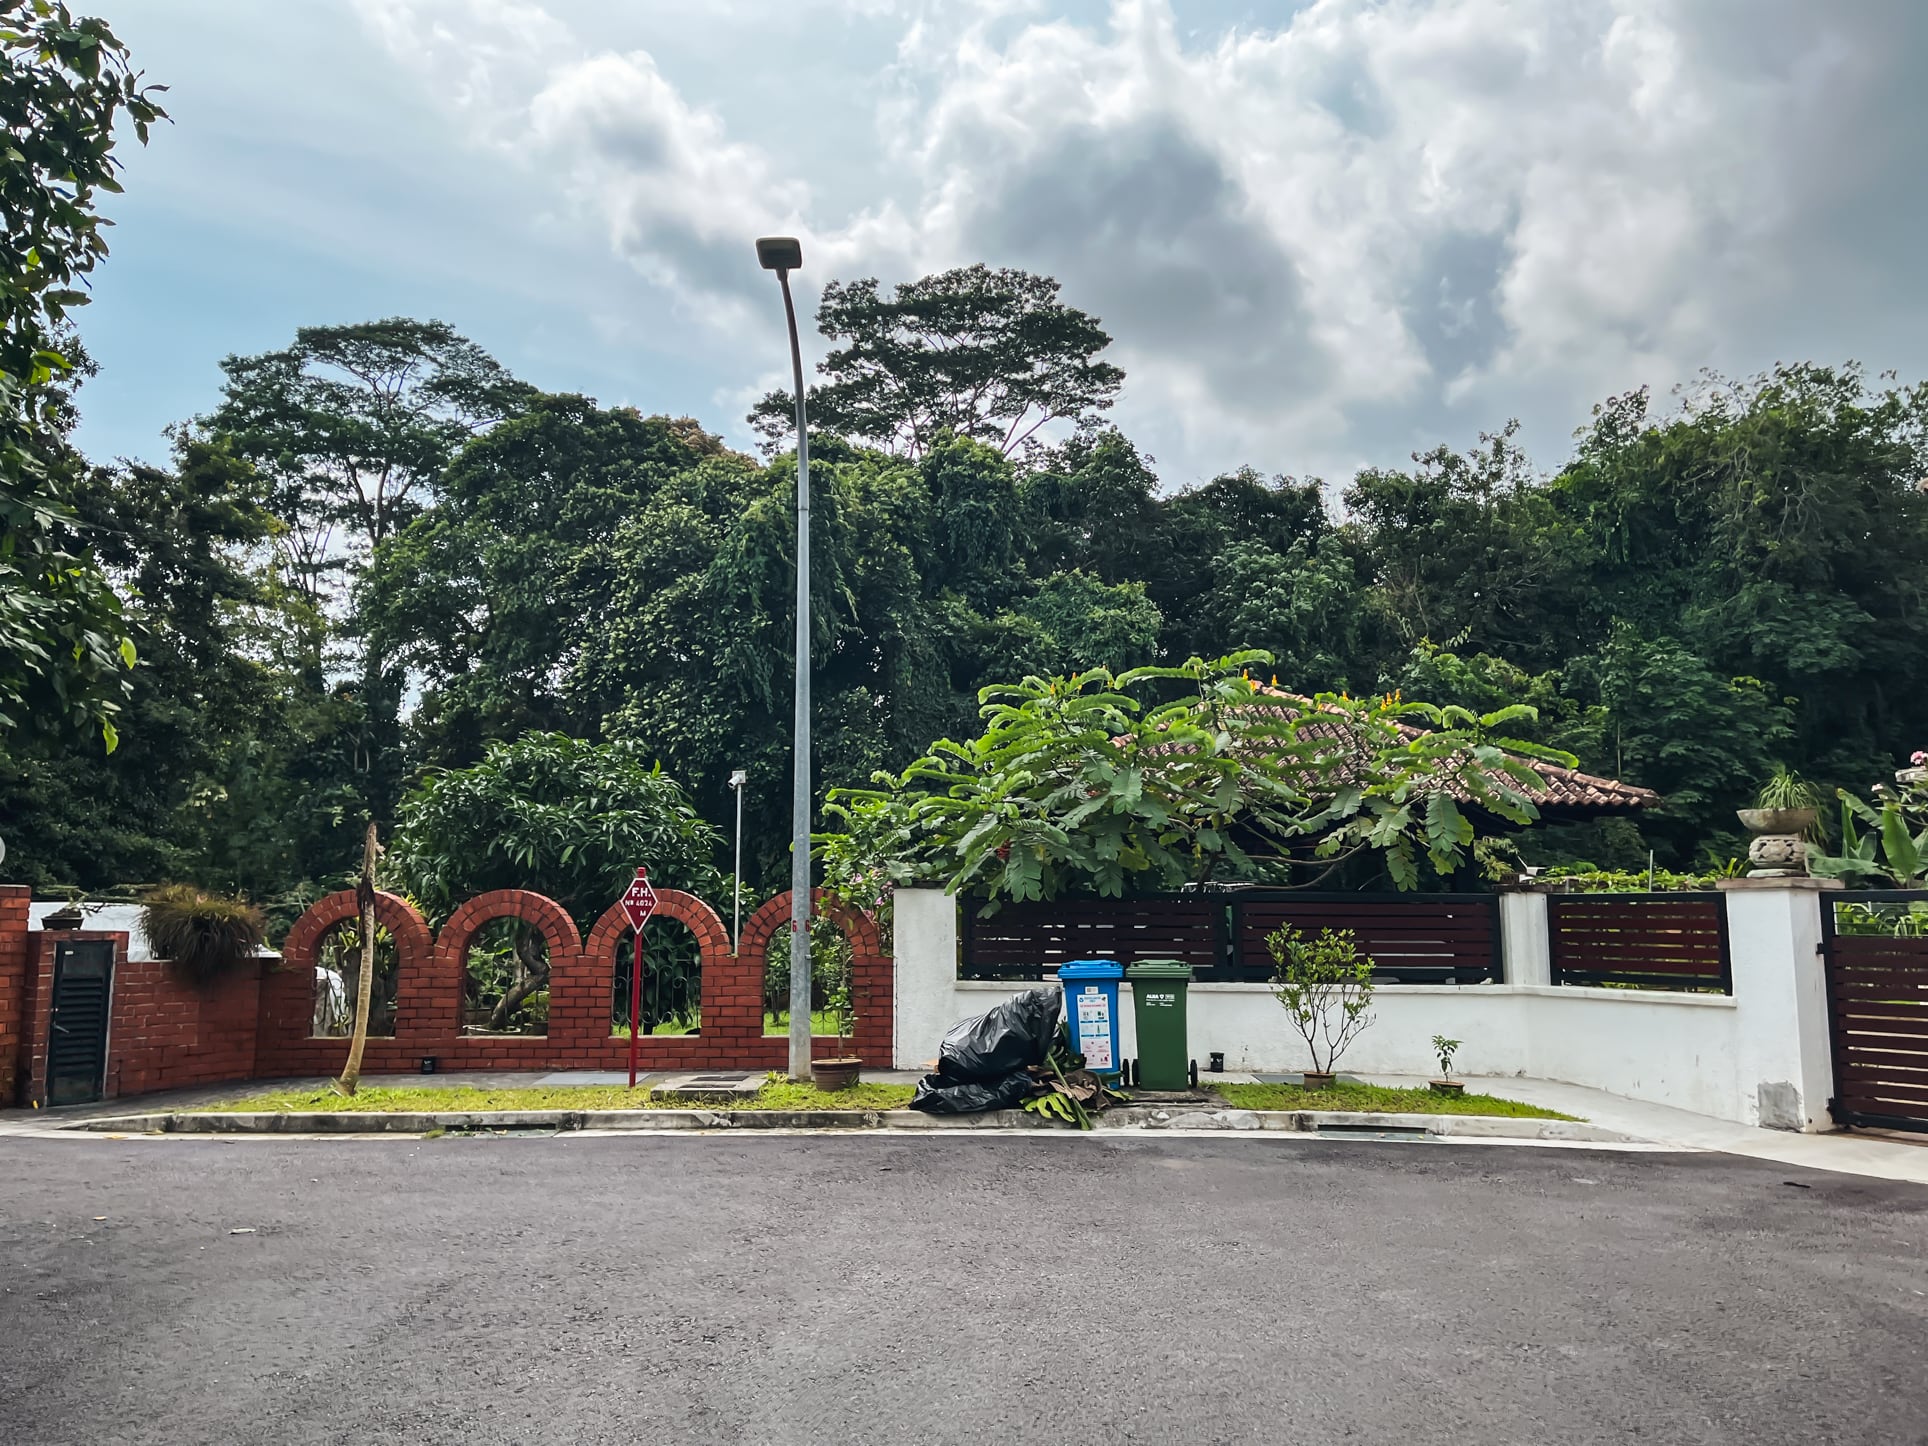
(1158, 969)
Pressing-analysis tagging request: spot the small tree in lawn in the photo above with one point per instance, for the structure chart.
(1325, 984)
(350, 1079)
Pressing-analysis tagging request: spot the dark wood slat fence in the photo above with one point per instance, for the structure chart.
(1673, 941)
(1030, 940)
(1421, 939)
(1878, 1018)
(1433, 938)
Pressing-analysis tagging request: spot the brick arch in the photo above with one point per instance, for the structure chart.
(719, 1000)
(551, 920)
(414, 945)
(711, 937)
(288, 1003)
(871, 970)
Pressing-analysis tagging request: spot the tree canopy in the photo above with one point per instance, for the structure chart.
(980, 352)
(64, 86)
(382, 578)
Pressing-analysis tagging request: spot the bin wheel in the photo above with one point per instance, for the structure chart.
(1194, 1074)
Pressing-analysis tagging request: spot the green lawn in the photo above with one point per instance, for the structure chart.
(776, 1095)
(1377, 1100)
(823, 1023)
(667, 1027)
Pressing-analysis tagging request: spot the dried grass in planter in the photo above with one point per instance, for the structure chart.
(204, 935)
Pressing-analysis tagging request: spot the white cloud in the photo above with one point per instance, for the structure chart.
(1316, 244)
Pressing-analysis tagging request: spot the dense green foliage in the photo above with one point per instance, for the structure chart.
(379, 559)
(63, 85)
(1078, 785)
(551, 811)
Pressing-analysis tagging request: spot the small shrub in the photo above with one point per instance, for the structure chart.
(1445, 1048)
(203, 935)
(1325, 984)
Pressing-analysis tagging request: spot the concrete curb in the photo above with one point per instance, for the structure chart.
(1127, 1118)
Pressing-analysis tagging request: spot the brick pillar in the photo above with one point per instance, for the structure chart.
(13, 990)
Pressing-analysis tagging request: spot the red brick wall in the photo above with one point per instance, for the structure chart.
(256, 1023)
(13, 990)
(581, 978)
(167, 1033)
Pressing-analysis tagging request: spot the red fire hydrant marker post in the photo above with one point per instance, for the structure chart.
(639, 902)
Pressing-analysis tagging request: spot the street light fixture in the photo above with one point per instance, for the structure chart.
(784, 254)
(737, 780)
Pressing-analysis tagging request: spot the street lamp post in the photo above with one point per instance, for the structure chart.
(737, 780)
(784, 254)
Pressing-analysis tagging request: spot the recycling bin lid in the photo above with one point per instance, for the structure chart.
(1091, 969)
(1159, 969)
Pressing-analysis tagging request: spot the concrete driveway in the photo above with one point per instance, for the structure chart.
(954, 1289)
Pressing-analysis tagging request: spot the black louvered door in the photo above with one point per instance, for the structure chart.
(77, 1044)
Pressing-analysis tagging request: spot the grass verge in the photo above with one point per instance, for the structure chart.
(424, 1099)
(1377, 1100)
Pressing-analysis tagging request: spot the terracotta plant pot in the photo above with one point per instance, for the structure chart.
(1317, 1081)
(1447, 1086)
(835, 1074)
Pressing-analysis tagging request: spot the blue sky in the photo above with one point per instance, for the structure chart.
(1322, 235)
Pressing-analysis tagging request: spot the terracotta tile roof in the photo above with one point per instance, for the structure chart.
(1562, 791)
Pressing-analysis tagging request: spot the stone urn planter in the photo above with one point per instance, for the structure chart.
(1907, 776)
(1313, 1080)
(1778, 849)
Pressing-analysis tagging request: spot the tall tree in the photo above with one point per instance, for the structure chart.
(986, 353)
(63, 85)
(352, 426)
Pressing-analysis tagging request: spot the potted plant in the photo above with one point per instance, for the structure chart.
(1916, 772)
(1787, 803)
(1785, 811)
(203, 935)
(1446, 1085)
(842, 1070)
(1325, 986)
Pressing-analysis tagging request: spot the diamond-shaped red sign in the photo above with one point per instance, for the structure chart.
(639, 900)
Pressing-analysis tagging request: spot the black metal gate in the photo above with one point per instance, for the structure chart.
(1875, 946)
(77, 1042)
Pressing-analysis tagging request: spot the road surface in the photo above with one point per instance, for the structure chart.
(956, 1289)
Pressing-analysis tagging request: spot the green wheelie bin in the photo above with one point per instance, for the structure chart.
(1158, 1004)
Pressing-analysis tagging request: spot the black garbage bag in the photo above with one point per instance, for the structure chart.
(989, 1046)
(941, 1095)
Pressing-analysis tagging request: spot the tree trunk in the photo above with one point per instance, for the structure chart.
(533, 963)
(364, 986)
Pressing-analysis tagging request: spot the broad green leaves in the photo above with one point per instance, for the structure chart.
(1088, 784)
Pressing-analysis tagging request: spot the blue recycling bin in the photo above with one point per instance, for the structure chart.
(1091, 1006)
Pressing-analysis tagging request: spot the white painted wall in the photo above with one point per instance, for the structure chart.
(1786, 1065)
(1699, 1052)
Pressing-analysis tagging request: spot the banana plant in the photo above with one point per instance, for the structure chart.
(1889, 852)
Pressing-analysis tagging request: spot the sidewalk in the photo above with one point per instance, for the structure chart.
(1885, 1156)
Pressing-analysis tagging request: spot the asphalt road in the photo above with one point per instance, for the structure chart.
(960, 1289)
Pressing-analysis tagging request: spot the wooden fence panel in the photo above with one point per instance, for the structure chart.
(1878, 1013)
(1419, 939)
(1674, 941)
(1030, 940)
